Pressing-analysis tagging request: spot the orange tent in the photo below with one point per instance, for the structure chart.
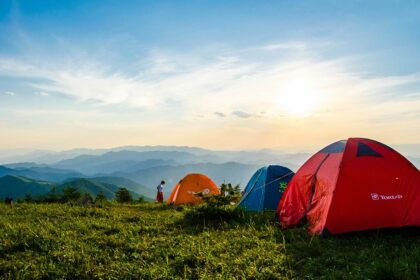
(184, 192)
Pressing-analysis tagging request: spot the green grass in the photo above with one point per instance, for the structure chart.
(54, 241)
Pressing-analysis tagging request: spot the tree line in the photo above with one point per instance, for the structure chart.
(75, 196)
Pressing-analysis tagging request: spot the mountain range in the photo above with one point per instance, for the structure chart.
(141, 168)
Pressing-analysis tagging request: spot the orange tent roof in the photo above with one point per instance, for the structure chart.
(184, 192)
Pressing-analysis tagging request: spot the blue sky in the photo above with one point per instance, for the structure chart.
(217, 74)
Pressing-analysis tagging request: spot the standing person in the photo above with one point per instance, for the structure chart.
(159, 196)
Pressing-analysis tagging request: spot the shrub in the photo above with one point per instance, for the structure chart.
(217, 208)
(140, 200)
(28, 198)
(100, 197)
(229, 194)
(86, 199)
(71, 194)
(122, 195)
(52, 196)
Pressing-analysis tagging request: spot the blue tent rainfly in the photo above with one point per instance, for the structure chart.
(264, 190)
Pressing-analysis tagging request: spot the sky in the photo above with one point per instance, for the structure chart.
(289, 75)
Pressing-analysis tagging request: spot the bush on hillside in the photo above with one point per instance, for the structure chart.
(70, 194)
(28, 198)
(217, 208)
(100, 199)
(229, 195)
(140, 200)
(122, 195)
(52, 196)
(86, 200)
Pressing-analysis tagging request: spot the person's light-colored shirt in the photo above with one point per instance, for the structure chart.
(160, 188)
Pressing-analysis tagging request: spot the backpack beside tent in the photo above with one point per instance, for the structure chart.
(184, 192)
(353, 185)
(265, 188)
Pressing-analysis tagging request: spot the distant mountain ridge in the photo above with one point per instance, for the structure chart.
(40, 173)
(53, 157)
(92, 164)
(146, 166)
(19, 186)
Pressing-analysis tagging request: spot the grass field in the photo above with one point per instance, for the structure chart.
(56, 241)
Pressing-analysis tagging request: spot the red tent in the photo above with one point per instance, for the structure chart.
(353, 185)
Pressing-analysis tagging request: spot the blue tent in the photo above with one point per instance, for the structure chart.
(265, 188)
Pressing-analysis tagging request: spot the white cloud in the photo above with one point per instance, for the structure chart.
(220, 84)
(41, 93)
(220, 114)
(11, 93)
(183, 100)
(241, 114)
(286, 46)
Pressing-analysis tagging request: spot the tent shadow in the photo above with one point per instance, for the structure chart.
(408, 231)
(390, 253)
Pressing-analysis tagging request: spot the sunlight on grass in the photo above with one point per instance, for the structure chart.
(50, 241)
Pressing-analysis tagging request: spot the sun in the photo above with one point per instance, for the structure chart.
(299, 97)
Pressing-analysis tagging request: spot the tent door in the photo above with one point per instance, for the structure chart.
(313, 184)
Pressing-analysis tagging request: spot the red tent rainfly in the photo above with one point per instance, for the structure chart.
(353, 185)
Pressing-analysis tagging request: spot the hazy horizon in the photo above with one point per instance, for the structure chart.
(288, 75)
(298, 149)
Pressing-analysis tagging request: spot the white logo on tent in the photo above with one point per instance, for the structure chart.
(205, 191)
(376, 196)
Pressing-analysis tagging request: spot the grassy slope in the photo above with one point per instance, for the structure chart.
(129, 184)
(149, 241)
(17, 186)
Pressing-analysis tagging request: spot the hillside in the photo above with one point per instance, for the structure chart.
(154, 242)
(94, 187)
(129, 184)
(39, 172)
(18, 187)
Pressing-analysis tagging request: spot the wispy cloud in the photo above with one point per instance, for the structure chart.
(41, 93)
(230, 83)
(286, 46)
(241, 114)
(220, 114)
(10, 93)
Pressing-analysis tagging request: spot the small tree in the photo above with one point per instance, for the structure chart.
(122, 195)
(28, 198)
(52, 195)
(70, 194)
(229, 194)
(86, 199)
(216, 208)
(140, 199)
(100, 197)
